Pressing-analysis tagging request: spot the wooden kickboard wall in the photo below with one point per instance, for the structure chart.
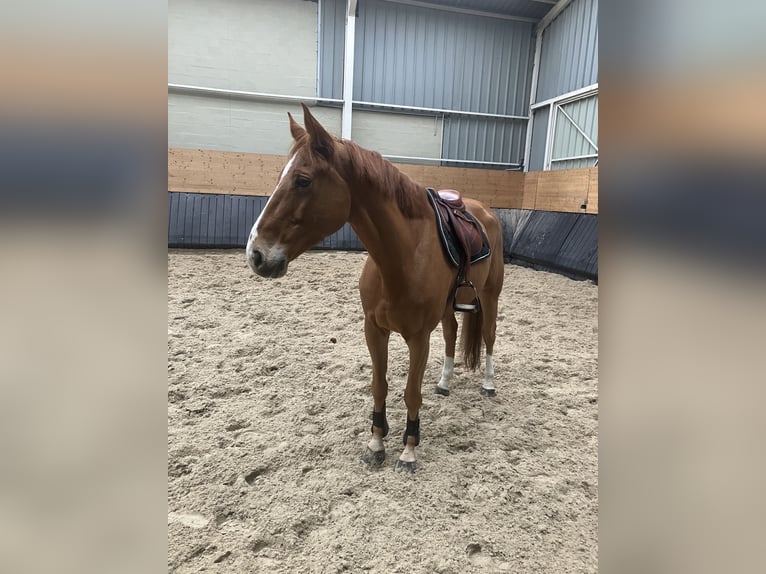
(249, 174)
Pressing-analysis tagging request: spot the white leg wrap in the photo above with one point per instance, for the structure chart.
(489, 374)
(447, 370)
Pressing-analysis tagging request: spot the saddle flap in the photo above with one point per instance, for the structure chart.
(461, 234)
(468, 232)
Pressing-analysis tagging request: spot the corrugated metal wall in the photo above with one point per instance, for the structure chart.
(332, 34)
(502, 53)
(417, 56)
(569, 57)
(568, 62)
(569, 142)
(332, 30)
(483, 139)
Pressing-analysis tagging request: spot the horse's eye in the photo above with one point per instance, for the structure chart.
(301, 181)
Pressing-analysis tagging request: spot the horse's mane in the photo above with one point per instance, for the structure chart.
(381, 175)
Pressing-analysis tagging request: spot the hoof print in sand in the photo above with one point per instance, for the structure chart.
(255, 473)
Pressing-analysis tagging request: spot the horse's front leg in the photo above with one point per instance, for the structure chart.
(377, 343)
(413, 398)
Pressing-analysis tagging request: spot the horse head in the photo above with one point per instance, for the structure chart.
(311, 201)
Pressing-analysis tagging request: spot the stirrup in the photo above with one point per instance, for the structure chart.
(473, 307)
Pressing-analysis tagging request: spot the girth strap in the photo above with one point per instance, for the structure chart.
(413, 429)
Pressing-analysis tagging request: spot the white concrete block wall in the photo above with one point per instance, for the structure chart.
(263, 46)
(252, 45)
(257, 46)
(237, 125)
(403, 135)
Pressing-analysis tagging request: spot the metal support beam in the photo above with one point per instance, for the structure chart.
(575, 157)
(549, 136)
(348, 70)
(245, 95)
(532, 97)
(436, 111)
(580, 94)
(443, 159)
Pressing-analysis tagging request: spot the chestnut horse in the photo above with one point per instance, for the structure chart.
(406, 282)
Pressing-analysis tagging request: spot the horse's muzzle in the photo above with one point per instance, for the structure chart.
(272, 266)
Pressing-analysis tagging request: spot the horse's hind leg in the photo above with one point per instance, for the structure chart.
(489, 324)
(377, 343)
(449, 330)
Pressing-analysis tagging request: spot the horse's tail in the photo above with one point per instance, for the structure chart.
(470, 336)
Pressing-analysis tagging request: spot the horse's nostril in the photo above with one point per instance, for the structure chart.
(257, 258)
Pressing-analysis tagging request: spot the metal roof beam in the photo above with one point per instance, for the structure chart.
(465, 11)
(552, 13)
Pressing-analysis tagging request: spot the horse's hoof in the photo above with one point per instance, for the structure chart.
(373, 457)
(440, 391)
(406, 467)
(488, 392)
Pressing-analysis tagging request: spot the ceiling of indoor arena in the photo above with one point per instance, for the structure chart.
(532, 9)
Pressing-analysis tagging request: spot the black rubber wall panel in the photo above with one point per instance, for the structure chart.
(211, 220)
(579, 253)
(214, 220)
(563, 242)
(566, 243)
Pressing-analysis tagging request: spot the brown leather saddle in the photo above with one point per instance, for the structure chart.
(463, 240)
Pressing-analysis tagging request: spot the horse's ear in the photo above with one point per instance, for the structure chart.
(295, 127)
(321, 140)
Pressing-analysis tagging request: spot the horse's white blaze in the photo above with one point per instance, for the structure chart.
(447, 370)
(489, 374)
(254, 231)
